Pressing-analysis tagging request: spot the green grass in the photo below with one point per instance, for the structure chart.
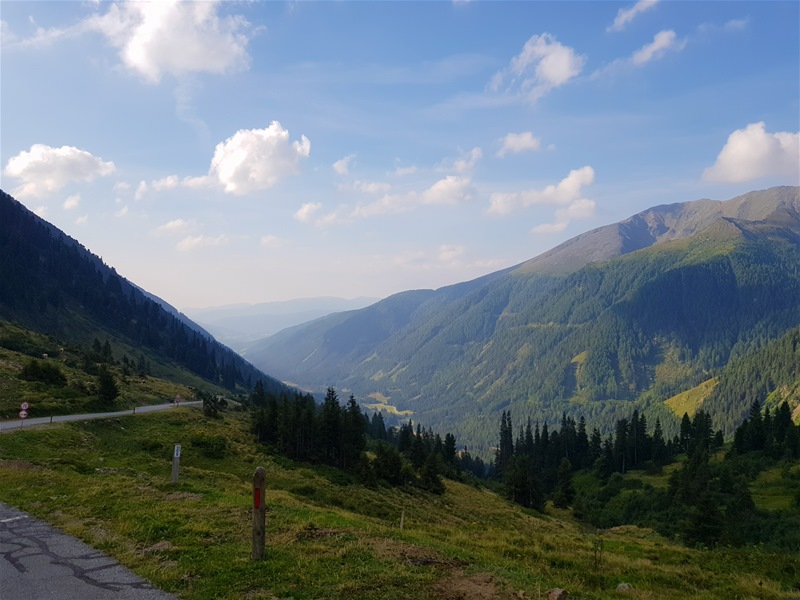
(777, 488)
(690, 401)
(108, 482)
(79, 394)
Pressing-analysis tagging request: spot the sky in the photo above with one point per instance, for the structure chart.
(241, 152)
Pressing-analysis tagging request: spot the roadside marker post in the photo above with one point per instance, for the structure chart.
(259, 513)
(176, 463)
(23, 413)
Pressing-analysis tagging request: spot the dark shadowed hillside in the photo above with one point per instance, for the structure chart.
(51, 284)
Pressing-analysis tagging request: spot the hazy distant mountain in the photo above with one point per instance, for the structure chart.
(624, 315)
(51, 284)
(239, 324)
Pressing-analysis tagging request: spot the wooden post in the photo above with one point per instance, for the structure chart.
(402, 519)
(259, 513)
(176, 463)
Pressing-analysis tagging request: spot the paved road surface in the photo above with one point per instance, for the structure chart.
(38, 562)
(11, 425)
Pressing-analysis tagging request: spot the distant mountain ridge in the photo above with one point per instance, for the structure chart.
(51, 284)
(239, 324)
(625, 315)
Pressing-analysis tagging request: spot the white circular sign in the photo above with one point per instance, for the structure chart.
(23, 414)
(24, 406)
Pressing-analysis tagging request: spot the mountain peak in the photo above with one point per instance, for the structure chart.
(779, 206)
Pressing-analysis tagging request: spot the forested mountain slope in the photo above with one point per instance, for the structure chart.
(677, 292)
(51, 284)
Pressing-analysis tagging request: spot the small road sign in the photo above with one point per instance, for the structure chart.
(23, 414)
(24, 406)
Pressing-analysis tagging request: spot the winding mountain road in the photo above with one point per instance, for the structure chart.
(7, 426)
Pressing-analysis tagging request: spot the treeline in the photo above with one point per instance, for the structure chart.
(706, 502)
(538, 464)
(46, 277)
(295, 426)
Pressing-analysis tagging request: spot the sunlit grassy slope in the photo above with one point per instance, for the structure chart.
(690, 401)
(108, 482)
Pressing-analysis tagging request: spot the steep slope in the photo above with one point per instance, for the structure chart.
(51, 284)
(713, 281)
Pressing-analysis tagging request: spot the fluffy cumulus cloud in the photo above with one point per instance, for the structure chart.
(543, 65)
(566, 194)
(256, 159)
(753, 152)
(176, 38)
(514, 143)
(450, 190)
(663, 42)
(44, 169)
(626, 15)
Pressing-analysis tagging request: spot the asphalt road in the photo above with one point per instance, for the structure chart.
(6, 426)
(38, 562)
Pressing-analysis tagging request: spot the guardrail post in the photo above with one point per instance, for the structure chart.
(259, 512)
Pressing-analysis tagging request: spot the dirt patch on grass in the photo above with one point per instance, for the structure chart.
(389, 549)
(183, 496)
(162, 546)
(480, 586)
(19, 465)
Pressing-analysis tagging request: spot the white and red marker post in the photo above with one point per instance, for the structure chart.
(23, 412)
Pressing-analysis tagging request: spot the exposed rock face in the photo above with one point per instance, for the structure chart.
(557, 594)
(624, 587)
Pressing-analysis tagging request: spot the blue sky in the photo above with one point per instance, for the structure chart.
(217, 153)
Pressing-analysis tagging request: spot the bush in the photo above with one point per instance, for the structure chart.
(43, 371)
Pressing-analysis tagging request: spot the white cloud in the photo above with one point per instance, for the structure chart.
(342, 166)
(626, 15)
(403, 171)
(752, 152)
(201, 241)
(176, 38)
(366, 187)
(174, 226)
(256, 159)
(736, 24)
(663, 42)
(82, 220)
(165, 183)
(44, 169)
(450, 190)
(306, 212)
(566, 192)
(543, 65)
(122, 186)
(514, 143)
(122, 212)
(72, 202)
(270, 241)
(450, 253)
(468, 161)
(141, 190)
(40, 211)
(578, 209)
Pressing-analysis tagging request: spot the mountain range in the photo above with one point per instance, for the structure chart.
(621, 317)
(236, 325)
(685, 305)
